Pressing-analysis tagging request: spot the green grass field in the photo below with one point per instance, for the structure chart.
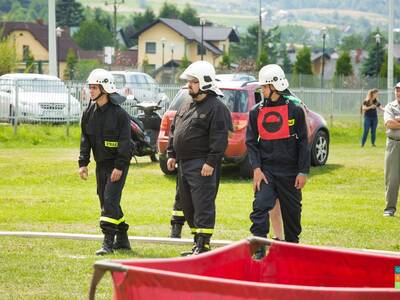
(40, 191)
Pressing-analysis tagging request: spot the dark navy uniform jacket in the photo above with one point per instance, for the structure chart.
(200, 130)
(106, 130)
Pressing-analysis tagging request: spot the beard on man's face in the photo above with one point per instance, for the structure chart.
(193, 94)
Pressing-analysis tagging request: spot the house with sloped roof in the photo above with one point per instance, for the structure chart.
(167, 41)
(32, 39)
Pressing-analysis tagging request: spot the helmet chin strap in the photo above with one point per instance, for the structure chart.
(271, 92)
(95, 99)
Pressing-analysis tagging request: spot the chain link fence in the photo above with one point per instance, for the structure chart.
(57, 102)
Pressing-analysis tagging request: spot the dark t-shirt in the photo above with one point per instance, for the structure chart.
(371, 113)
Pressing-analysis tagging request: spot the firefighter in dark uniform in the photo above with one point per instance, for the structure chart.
(177, 217)
(106, 131)
(198, 139)
(279, 155)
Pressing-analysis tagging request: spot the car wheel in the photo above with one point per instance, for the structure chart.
(320, 149)
(245, 168)
(163, 166)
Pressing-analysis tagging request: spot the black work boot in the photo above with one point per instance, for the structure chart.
(260, 253)
(176, 230)
(202, 244)
(190, 252)
(107, 244)
(122, 241)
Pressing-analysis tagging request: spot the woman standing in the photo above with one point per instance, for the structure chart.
(369, 108)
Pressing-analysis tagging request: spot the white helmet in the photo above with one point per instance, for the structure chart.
(204, 72)
(273, 74)
(103, 78)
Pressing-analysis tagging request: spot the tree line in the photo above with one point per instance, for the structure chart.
(95, 31)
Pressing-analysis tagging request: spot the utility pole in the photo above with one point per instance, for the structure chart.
(259, 32)
(52, 38)
(202, 23)
(390, 53)
(323, 56)
(115, 3)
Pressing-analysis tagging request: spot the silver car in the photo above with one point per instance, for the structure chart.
(140, 85)
(36, 98)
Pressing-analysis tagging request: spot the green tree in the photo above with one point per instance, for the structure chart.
(17, 13)
(93, 36)
(24, 11)
(262, 61)
(286, 63)
(184, 63)
(103, 18)
(384, 68)
(30, 66)
(69, 72)
(84, 67)
(69, 13)
(139, 21)
(303, 61)
(226, 61)
(8, 55)
(189, 16)
(351, 42)
(247, 48)
(170, 11)
(343, 65)
(376, 55)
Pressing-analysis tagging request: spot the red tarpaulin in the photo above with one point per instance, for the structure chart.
(289, 271)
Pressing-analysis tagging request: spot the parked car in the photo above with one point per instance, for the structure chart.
(240, 98)
(235, 77)
(40, 98)
(142, 86)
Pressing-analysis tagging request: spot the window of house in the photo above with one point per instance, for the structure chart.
(150, 47)
(25, 52)
(199, 49)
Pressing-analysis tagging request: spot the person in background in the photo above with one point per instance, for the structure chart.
(369, 108)
(391, 118)
(106, 132)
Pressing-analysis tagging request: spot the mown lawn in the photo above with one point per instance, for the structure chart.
(40, 191)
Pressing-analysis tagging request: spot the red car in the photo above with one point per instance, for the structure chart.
(240, 97)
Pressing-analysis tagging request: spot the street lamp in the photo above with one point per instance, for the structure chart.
(172, 52)
(59, 32)
(323, 56)
(202, 23)
(377, 61)
(163, 46)
(172, 62)
(378, 38)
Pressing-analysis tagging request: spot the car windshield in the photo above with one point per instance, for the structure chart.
(235, 100)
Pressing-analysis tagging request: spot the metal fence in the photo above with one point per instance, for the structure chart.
(56, 102)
